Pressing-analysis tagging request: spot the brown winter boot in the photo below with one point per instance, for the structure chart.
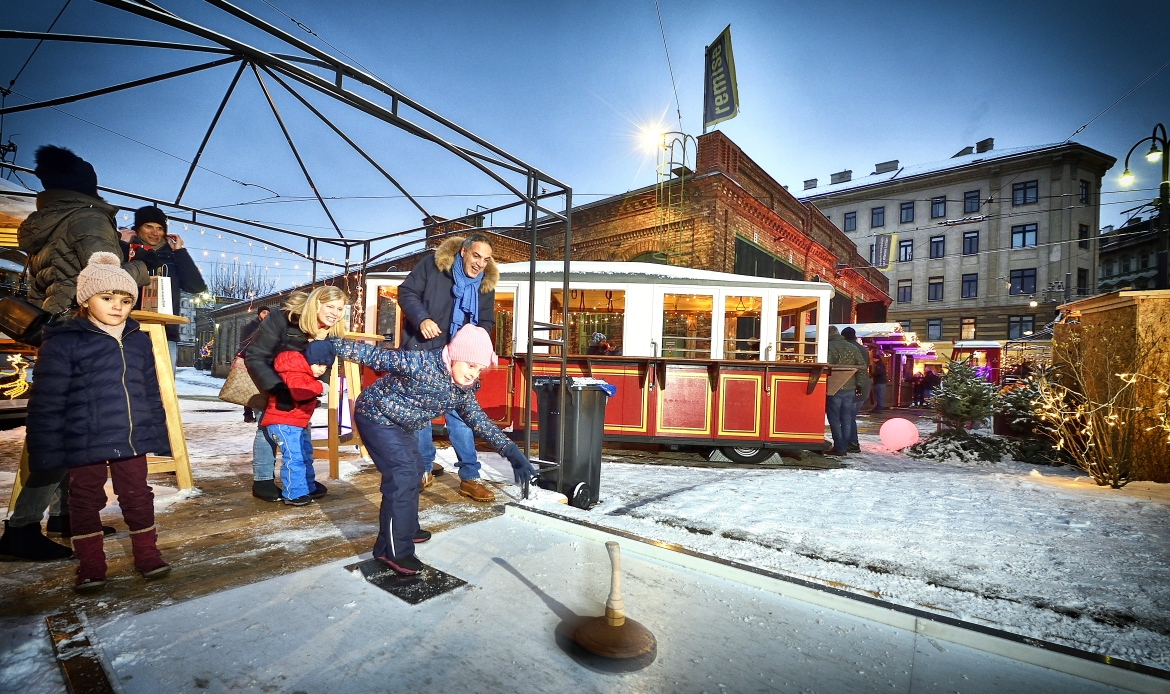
(476, 491)
(147, 559)
(91, 575)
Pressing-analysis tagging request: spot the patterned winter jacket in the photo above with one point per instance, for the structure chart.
(416, 388)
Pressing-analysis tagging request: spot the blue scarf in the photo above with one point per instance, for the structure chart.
(466, 293)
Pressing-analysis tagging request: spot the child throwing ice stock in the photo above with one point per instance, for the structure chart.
(94, 405)
(417, 387)
(289, 426)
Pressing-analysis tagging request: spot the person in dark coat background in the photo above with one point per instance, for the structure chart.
(71, 223)
(174, 261)
(453, 287)
(246, 335)
(95, 403)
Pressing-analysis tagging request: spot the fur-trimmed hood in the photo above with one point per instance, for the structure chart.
(445, 260)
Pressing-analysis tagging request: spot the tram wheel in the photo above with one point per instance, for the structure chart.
(746, 456)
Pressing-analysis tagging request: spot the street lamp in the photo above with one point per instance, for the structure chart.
(1158, 145)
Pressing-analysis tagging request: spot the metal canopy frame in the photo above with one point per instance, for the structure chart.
(302, 68)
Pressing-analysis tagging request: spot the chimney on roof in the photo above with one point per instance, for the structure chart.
(964, 152)
(886, 166)
(810, 184)
(841, 177)
(985, 145)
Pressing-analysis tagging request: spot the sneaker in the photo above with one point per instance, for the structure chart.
(318, 491)
(476, 491)
(437, 469)
(266, 490)
(422, 536)
(407, 566)
(427, 480)
(299, 501)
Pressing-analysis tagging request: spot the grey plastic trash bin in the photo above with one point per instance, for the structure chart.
(584, 412)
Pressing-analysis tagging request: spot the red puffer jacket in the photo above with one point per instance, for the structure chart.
(296, 374)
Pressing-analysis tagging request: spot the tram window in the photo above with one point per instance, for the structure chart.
(592, 312)
(686, 326)
(502, 335)
(792, 312)
(389, 317)
(741, 327)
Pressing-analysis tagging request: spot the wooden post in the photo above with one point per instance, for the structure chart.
(345, 375)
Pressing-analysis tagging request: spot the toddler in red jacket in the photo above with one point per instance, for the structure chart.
(287, 418)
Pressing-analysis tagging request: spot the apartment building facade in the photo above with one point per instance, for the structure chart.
(983, 245)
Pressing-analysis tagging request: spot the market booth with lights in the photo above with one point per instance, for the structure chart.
(699, 358)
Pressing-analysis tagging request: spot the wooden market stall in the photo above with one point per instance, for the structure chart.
(700, 358)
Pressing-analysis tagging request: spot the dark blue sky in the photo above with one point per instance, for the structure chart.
(824, 86)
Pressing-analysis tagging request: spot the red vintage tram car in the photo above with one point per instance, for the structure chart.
(700, 359)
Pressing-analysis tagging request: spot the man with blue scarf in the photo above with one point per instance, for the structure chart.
(455, 286)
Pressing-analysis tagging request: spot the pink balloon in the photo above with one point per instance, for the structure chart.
(898, 433)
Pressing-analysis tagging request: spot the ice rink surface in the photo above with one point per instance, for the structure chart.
(327, 630)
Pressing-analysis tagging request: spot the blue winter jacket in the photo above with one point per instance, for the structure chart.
(417, 388)
(93, 398)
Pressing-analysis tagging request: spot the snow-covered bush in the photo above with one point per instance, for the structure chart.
(964, 398)
(958, 446)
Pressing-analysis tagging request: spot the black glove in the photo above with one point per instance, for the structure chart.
(522, 469)
(150, 259)
(284, 399)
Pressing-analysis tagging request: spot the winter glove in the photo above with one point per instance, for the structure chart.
(284, 399)
(150, 259)
(522, 469)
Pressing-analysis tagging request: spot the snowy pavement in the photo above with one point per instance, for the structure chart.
(326, 630)
(1030, 551)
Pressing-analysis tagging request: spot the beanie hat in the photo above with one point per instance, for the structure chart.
(849, 333)
(104, 273)
(319, 352)
(150, 213)
(60, 168)
(596, 339)
(472, 345)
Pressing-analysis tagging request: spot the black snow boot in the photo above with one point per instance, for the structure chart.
(60, 525)
(28, 544)
(266, 490)
(406, 566)
(318, 491)
(422, 536)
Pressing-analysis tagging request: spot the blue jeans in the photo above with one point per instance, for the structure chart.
(858, 401)
(878, 388)
(263, 453)
(462, 440)
(395, 453)
(297, 476)
(839, 408)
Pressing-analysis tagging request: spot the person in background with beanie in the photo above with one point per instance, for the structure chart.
(864, 384)
(70, 224)
(174, 261)
(417, 387)
(289, 427)
(94, 411)
(453, 287)
(246, 335)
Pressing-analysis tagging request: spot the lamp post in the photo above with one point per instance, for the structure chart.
(1162, 280)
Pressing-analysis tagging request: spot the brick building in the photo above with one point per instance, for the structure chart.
(734, 218)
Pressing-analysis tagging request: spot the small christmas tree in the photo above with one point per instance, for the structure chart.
(964, 397)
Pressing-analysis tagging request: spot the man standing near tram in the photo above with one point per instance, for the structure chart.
(453, 287)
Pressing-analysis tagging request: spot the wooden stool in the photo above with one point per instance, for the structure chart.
(154, 325)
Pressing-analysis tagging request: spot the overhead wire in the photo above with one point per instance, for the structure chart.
(662, 30)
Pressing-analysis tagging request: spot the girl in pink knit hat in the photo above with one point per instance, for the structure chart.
(416, 388)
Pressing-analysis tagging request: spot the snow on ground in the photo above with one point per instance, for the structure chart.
(189, 381)
(1035, 552)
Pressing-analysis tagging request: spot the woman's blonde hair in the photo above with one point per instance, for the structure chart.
(301, 310)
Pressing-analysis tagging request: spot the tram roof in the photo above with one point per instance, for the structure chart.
(639, 273)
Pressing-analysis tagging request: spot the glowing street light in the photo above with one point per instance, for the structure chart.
(1158, 144)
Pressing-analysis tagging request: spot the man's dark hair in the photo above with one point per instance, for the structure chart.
(849, 334)
(477, 238)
